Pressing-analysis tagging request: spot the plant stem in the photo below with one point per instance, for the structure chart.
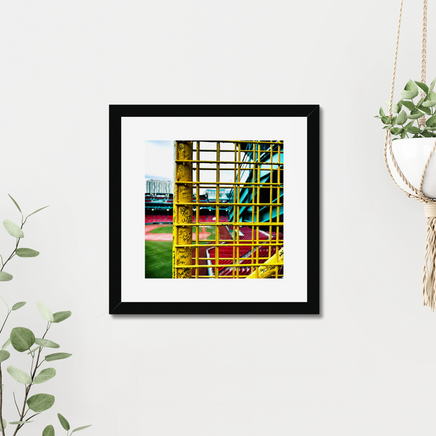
(13, 253)
(27, 388)
(1, 401)
(1, 383)
(16, 405)
(1, 329)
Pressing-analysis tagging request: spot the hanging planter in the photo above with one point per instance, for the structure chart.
(410, 144)
(411, 156)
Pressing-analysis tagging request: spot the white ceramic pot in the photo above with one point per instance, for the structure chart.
(411, 156)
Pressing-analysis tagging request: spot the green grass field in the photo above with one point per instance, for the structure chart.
(169, 229)
(163, 229)
(158, 254)
(158, 263)
(209, 229)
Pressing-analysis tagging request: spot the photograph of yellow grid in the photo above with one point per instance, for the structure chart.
(234, 188)
(197, 192)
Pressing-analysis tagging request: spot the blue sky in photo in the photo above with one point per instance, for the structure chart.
(159, 160)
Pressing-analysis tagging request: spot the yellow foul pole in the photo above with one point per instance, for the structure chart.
(182, 213)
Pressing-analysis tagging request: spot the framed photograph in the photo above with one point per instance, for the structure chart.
(197, 209)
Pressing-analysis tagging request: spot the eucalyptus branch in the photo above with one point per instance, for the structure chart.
(27, 420)
(16, 246)
(31, 363)
(1, 401)
(4, 322)
(30, 417)
(39, 354)
(17, 231)
(23, 412)
(23, 339)
(16, 405)
(13, 253)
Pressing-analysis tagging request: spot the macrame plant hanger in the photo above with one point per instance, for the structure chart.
(429, 270)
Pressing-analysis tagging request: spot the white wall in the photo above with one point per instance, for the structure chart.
(366, 365)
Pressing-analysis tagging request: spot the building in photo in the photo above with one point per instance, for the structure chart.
(154, 186)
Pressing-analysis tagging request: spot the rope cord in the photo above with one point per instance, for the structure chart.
(395, 60)
(417, 193)
(421, 121)
(429, 270)
(424, 43)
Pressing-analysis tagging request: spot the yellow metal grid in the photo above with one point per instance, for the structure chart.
(251, 172)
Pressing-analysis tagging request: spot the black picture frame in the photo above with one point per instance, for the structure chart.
(118, 306)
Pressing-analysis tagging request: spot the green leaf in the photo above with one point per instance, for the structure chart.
(19, 422)
(5, 277)
(44, 375)
(431, 122)
(429, 103)
(425, 109)
(431, 86)
(46, 343)
(33, 213)
(65, 424)
(409, 105)
(80, 428)
(16, 204)
(386, 120)
(32, 350)
(413, 129)
(427, 134)
(22, 339)
(401, 118)
(26, 252)
(4, 423)
(61, 316)
(57, 356)
(16, 306)
(396, 130)
(408, 94)
(423, 86)
(382, 112)
(431, 96)
(19, 375)
(6, 343)
(13, 229)
(395, 108)
(48, 431)
(44, 311)
(4, 355)
(410, 90)
(414, 115)
(40, 402)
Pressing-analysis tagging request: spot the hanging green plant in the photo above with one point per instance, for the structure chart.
(404, 124)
